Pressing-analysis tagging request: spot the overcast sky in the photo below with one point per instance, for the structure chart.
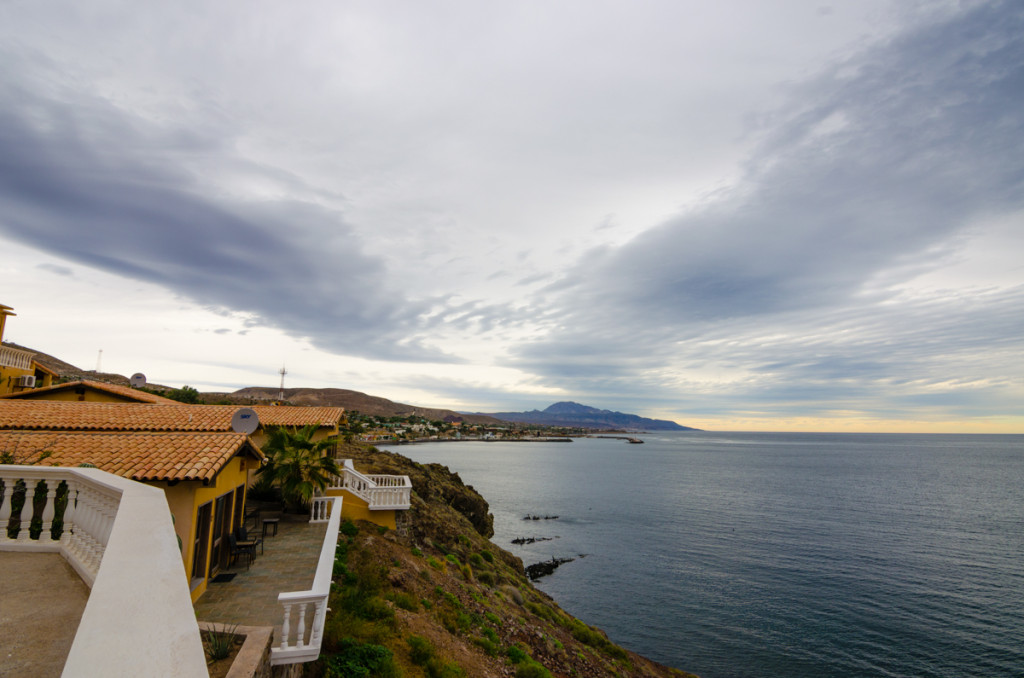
(741, 215)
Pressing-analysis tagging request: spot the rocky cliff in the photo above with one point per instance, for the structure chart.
(436, 598)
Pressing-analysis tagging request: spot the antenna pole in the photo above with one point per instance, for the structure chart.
(283, 372)
(99, 361)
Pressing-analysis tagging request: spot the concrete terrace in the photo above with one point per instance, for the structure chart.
(41, 603)
(42, 598)
(288, 563)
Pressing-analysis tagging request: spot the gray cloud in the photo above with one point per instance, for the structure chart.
(873, 162)
(93, 184)
(59, 270)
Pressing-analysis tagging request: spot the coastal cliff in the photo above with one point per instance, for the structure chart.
(436, 598)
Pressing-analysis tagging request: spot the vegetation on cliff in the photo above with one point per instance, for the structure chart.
(436, 598)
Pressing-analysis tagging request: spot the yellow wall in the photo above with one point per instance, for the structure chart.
(356, 508)
(184, 500)
(8, 375)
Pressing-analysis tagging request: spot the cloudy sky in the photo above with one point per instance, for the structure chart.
(742, 215)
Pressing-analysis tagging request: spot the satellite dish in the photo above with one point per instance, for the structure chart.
(138, 380)
(245, 421)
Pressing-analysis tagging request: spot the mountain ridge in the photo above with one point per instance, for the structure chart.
(569, 413)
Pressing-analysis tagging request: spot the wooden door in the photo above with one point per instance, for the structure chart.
(200, 547)
(221, 527)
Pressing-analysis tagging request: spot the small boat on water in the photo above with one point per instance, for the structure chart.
(635, 441)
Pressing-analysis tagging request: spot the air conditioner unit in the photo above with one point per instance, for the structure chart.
(26, 381)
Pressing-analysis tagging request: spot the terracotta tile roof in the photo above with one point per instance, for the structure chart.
(53, 415)
(138, 456)
(273, 415)
(114, 389)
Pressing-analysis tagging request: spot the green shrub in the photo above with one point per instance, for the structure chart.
(434, 563)
(452, 559)
(405, 601)
(438, 669)
(355, 659)
(532, 669)
(382, 529)
(416, 552)
(487, 645)
(420, 650)
(487, 555)
(542, 611)
(476, 560)
(218, 644)
(375, 608)
(349, 529)
(486, 578)
(517, 655)
(489, 634)
(493, 618)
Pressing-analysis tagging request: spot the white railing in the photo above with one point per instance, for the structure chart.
(381, 492)
(320, 510)
(118, 535)
(16, 358)
(89, 510)
(302, 633)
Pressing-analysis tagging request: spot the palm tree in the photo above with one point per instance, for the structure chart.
(299, 464)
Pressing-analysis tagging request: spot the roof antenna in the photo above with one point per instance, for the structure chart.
(283, 372)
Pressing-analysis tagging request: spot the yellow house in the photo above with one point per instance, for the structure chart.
(87, 390)
(18, 371)
(191, 452)
(203, 476)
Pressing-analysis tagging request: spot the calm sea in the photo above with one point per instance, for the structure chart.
(744, 554)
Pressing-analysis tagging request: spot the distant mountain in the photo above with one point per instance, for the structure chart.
(573, 414)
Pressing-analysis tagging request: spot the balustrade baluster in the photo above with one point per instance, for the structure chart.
(318, 623)
(90, 525)
(286, 628)
(48, 510)
(5, 507)
(300, 631)
(67, 537)
(27, 509)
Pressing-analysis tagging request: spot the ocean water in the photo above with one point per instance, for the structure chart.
(748, 554)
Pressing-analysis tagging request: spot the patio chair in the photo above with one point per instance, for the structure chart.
(243, 538)
(247, 550)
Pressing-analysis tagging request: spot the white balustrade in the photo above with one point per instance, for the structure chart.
(306, 611)
(118, 535)
(320, 510)
(381, 492)
(16, 358)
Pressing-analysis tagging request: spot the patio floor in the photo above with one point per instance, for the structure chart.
(288, 563)
(41, 603)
